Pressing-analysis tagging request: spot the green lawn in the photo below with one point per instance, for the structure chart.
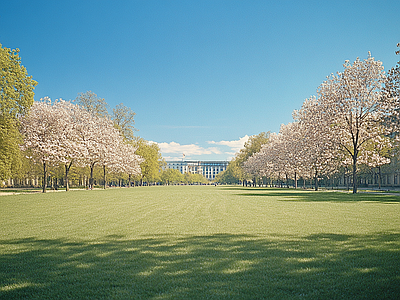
(199, 242)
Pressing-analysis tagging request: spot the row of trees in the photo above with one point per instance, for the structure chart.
(78, 135)
(235, 172)
(353, 121)
(66, 133)
(173, 176)
(46, 142)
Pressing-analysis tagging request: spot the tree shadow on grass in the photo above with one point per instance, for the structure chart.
(285, 194)
(325, 196)
(322, 266)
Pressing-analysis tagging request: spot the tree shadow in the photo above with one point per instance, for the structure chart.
(241, 188)
(221, 266)
(324, 196)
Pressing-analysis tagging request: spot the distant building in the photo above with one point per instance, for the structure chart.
(209, 169)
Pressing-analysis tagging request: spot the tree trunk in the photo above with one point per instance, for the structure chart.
(104, 176)
(316, 180)
(44, 177)
(91, 181)
(355, 173)
(67, 168)
(295, 180)
(287, 180)
(380, 177)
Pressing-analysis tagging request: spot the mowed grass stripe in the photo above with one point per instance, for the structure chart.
(199, 242)
(192, 210)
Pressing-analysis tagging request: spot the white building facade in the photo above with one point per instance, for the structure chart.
(209, 169)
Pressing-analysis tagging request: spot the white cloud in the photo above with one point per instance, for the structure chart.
(172, 158)
(174, 151)
(188, 150)
(235, 145)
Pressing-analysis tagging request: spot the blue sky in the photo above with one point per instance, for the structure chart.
(201, 76)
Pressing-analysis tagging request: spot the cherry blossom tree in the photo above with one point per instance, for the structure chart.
(65, 133)
(355, 106)
(377, 153)
(292, 149)
(73, 149)
(282, 156)
(104, 145)
(127, 161)
(43, 134)
(392, 88)
(319, 152)
(253, 165)
(100, 139)
(281, 151)
(265, 162)
(50, 132)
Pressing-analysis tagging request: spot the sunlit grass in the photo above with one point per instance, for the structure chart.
(199, 242)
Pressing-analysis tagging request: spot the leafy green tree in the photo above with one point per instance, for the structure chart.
(232, 175)
(198, 178)
(122, 116)
(234, 172)
(190, 178)
(153, 161)
(253, 145)
(27, 169)
(16, 97)
(16, 86)
(124, 119)
(10, 155)
(93, 104)
(171, 176)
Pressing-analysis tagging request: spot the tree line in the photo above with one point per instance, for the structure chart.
(58, 139)
(353, 122)
(66, 133)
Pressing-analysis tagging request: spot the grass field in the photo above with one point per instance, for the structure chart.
(199, 242)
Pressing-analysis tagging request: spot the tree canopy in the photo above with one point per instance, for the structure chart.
(171, 176)
(16, 97)
(153, 161)
(124, 119)
(63, 133)
(235, 172)
(348, 124)
(92, 103)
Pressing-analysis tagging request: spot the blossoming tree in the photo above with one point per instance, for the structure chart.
(65, 133)
(45, 130)
(355, 106)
